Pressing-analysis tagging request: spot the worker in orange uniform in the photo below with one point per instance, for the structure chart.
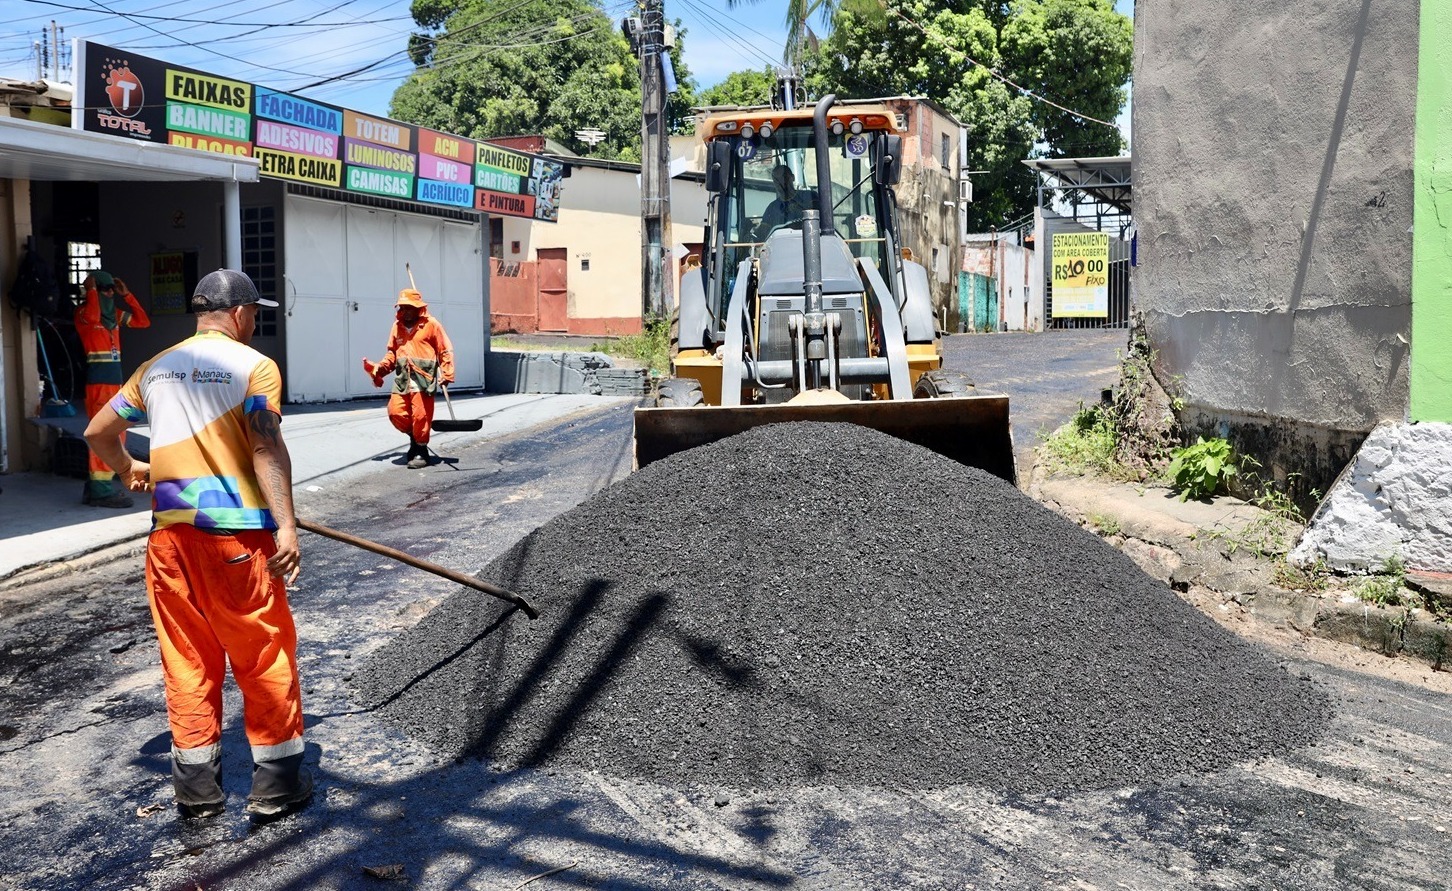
(108, 306)
(223, 540)
(420, 353)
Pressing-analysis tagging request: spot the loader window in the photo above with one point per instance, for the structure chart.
(772, 180)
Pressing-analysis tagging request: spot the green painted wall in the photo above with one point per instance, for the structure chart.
(1431, 368)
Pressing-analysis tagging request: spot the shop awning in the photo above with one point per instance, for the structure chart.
(46, 152)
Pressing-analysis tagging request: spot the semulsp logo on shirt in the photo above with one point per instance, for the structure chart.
(211, 376)
(159, 376)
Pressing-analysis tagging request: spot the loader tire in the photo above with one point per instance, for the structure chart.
(678, 392)
(939, 383)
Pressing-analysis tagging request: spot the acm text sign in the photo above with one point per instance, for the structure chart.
(1081, 274)
(300, 140)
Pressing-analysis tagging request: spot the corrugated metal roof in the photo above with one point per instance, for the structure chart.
(1106, 179)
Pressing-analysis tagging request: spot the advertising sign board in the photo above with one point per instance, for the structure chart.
(1081, 274)
(305, 141)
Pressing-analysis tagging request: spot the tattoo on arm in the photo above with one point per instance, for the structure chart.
(272, 465)
(264, 427)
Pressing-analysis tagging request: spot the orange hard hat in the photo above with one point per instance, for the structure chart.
(410, 297)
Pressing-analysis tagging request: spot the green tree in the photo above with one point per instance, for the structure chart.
(741, 88)
(1076, 53)
(490, 68)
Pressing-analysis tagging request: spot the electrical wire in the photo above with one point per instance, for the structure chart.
(263, 25)
(709, 19)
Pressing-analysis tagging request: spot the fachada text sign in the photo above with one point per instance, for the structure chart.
(305, 141)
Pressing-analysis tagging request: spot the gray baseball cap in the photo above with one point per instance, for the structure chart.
(225, 289)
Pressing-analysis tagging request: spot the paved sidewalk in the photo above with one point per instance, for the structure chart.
(42, 519)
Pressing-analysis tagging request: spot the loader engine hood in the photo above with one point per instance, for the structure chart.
(782, 275)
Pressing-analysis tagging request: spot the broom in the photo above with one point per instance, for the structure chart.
(453, 424)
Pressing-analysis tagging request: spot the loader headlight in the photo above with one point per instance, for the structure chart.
(766, 130)
(836, 128)
(856, 126)
(747, 131)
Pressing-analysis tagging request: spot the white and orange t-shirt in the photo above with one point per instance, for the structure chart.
(196, 396)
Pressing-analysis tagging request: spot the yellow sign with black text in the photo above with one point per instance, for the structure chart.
(1081, 275)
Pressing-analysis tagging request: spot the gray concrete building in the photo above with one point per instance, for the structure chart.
(1274, 196)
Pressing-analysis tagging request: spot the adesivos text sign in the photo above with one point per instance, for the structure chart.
(300, 140)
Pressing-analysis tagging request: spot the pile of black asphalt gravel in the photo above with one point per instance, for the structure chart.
(822, 604)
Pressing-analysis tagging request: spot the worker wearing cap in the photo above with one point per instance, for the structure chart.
(108, 306)
(223, 539)
(420, 353)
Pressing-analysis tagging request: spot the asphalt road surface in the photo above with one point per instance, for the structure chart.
(1045, 375)
(84, 768)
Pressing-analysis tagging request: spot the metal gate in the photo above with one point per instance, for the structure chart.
(977, 302)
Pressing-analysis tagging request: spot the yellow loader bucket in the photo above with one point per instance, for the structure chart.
(971, 430)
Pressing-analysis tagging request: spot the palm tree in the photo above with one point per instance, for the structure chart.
(799, 34)
(799, 12)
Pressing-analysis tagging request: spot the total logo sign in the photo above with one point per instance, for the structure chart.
(127, 98)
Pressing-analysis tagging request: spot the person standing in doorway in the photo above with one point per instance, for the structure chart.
(422, 358)
(223, 539)
(107, 307)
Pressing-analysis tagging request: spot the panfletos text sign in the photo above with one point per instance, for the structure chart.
(305, 141)
(1081, 274)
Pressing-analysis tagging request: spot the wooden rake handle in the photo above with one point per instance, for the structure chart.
(420, 563)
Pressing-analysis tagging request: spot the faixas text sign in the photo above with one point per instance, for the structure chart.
(301, 140)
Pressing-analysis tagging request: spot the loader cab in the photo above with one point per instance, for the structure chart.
(762, 181)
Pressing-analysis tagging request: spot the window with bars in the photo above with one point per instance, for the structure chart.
(82, 259)
(259, 260)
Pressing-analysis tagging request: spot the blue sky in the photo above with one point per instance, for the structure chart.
(295, 45)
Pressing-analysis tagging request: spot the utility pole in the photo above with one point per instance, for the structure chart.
(55, 51)
(657, 297)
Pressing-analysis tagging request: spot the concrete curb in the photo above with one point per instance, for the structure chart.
(1197, 550)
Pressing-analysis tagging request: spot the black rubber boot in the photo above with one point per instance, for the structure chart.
(418, 455)
(279, 788)
(198, 786)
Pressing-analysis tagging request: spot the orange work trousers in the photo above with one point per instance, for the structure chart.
(412, 413)
(214, 601)
(101, 480)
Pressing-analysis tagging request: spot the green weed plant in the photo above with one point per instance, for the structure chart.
(1201, 470)
(1085, 445)
(1384, 588)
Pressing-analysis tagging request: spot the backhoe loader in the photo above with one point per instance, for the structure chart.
(805, 307)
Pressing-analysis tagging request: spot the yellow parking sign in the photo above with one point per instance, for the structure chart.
(1081, 274)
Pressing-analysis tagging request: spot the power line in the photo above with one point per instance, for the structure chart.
(305, 23)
